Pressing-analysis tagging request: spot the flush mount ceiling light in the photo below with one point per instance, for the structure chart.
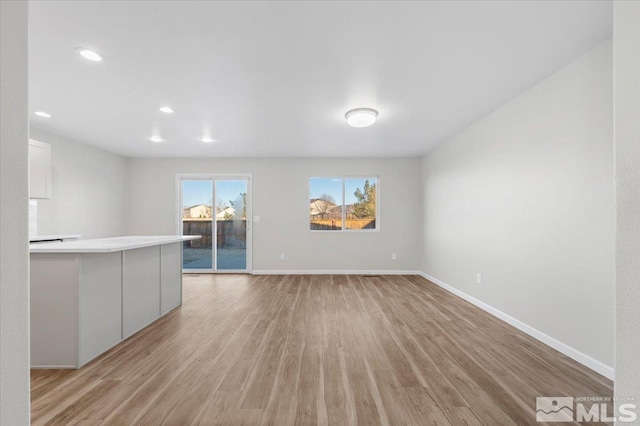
(43, 114)
(155, 139)
(166, 110)
(206, 139)
(90, 55)
(361, 117)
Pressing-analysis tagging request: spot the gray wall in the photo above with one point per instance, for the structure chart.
(281, 199)
(14, 256)
(525, 197)
(88, 190)
(627, 115)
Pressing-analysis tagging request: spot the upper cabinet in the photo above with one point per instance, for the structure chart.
(40, 170)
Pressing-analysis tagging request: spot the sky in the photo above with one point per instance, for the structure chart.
(333, 187)
(201, 191)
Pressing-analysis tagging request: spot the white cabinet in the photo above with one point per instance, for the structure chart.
(40, 170)
(89, 295)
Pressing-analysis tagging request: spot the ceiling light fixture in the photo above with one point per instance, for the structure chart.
(43, 114)
(89, 54)
(166, 110)
(206, 139)
(361, 117)
(155, 139)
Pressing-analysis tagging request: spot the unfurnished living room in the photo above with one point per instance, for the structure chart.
(319, 212)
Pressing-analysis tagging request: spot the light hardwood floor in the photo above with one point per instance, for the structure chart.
(285, 350)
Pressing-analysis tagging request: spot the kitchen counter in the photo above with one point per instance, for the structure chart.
(109, 245)
(89, 295)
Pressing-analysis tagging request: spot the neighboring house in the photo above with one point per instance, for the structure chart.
(322, 209)
(203, 211)
(199, 211)
(227, 213)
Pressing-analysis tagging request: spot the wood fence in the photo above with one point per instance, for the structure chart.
(233, 233)
(335, 224)
(230, 233)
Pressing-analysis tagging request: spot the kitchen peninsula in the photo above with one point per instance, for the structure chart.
(89, 295)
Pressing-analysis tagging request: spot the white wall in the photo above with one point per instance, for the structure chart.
(525, 197)
(89, 187)
(627, 115)
(14, 190)
(281, 199)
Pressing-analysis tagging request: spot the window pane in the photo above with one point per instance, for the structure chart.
(197, 220)
(325, 204)
(360, 198)
(231, 224)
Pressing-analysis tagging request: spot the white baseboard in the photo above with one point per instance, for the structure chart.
(55, 367)
(332, 272)
(575, 354)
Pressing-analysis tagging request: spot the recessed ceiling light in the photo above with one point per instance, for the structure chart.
(43, 114)
(206, 139)
(156, 139)
(90, 55)
(166, 110)
(361, 117)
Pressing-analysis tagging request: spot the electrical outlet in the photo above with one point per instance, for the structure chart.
(282, 256)
(393, 256)
(479, 278)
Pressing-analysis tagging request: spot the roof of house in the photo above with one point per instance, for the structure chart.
(228, 210)
(196, 205)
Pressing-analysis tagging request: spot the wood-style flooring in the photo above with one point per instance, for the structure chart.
(339, 350)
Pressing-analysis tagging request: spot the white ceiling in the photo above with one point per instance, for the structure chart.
(272, 79)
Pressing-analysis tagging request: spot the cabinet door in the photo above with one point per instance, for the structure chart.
(170, 277)
(140, 288)
(100, 306)
(39, 170)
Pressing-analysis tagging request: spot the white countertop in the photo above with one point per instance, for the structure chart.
(108, 245)
(53, 237)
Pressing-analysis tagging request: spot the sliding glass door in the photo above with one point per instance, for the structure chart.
(215, 207)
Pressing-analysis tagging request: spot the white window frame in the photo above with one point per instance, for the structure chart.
(344, 178)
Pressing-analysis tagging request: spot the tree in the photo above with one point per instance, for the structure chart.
(328, 198)
(221, 205)
(365, 207)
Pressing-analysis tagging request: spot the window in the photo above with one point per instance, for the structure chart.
(343, 203)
